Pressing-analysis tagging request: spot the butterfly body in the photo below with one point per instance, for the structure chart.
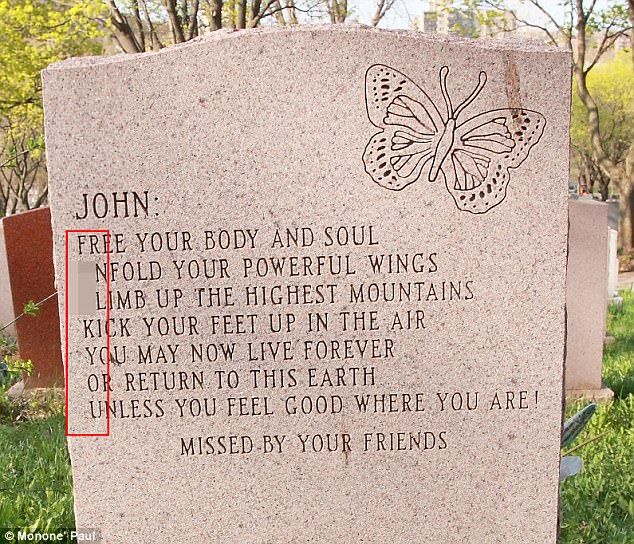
(416, 141)
(444, 147)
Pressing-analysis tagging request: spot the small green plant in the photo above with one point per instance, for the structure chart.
(12, 369)
(8, 346)
(31, 308)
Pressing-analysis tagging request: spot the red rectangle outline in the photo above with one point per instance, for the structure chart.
(108, 234)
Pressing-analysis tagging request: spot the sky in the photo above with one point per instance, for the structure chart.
(405, 11)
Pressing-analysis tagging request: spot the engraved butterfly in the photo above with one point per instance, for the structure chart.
(416, 141)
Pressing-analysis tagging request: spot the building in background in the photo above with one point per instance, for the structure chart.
(443, 18)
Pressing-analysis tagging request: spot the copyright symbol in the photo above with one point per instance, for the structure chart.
(9, 535)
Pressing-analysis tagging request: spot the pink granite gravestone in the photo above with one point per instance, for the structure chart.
(337, 286)
(28, 244)
(586, 297)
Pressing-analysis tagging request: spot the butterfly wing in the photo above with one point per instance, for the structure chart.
(410, 128)
(383, 84)
(486, 148)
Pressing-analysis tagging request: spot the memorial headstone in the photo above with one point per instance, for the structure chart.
(28, 242)
(7, 315)
(614, 212)
(336, 267)
(586, 298)
(613, 267)
(613, 255)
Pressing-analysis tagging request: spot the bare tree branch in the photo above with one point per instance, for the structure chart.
(547, 14)
(382, 7)
(606, 43)
(156, 41)
(124, 35)
(524, 22)
(193, 21)
(590, 10)
(176, 25)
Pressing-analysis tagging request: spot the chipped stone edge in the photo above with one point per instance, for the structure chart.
(499, 44)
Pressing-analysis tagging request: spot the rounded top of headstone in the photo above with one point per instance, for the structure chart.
(360, 31)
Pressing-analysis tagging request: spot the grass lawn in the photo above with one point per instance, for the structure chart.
(35, 479)
(618, 359)
(598, 504)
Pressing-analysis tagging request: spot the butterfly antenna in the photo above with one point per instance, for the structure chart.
(473, 95)
(444, 72)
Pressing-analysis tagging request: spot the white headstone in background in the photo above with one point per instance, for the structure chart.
(613, 264)
(6, 300)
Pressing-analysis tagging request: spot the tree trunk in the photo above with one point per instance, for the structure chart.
(601, 158)
(124, 36)
(175, 21)
(378, 13)
(626, 203)
(631, 3)
(279, 14)
(241, 14)
(292, 12)
(137, 25)
(193, 21)
(338, 11)
(214, 14)
(598, 152)
(604, 187)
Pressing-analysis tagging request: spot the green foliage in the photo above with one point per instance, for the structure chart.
(34, 34)
(35, 480)
(8, 345)
(612, 86)
(614, 15)
(12, 369)
(618, 367)
(31, 308)
(35, 406)
(598, 504)
(18, 366)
